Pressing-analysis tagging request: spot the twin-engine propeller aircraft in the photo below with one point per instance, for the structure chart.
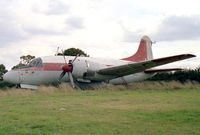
(86, 71)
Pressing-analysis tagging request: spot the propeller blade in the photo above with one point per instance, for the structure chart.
(57, 51)
(75, 58)
(64, 56)
(71, 79)
(61, 75)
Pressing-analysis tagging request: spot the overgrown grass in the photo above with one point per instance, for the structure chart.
(156, 85)
(138, 109)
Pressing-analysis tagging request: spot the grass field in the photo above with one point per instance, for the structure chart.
(112, 111)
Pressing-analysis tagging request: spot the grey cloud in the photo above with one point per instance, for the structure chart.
(54, 7)
(57, 7)
(72, 23)
(178, 28)
(42, 31)
(10, 29)
(9, 33)
(13, 29)
(37, 31)
(130, 36)
(75, 22)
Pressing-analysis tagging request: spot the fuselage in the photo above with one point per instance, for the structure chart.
(46, 70)
(88, 70)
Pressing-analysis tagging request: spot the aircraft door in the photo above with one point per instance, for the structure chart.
(90, 72)
(21, 76)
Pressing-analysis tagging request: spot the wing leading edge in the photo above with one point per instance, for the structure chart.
(132, 68)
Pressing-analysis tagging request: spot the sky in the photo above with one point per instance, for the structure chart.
(101, 28)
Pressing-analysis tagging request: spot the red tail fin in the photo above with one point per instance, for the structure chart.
(144, 51)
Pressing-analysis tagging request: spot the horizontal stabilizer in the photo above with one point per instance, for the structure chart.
(135, 67)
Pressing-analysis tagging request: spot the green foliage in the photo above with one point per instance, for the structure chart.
(4, 85)
(18, 65)
(24, 60)
(182, 76)
(2, 71)
(74, 52)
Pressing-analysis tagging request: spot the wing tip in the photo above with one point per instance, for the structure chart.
(190, 55)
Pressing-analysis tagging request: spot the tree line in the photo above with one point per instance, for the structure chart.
(181, 76)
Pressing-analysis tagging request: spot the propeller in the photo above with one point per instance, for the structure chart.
(68, 68)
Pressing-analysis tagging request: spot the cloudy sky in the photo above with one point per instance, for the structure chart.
(101, 28)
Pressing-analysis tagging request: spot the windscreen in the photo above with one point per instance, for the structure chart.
(37, 62)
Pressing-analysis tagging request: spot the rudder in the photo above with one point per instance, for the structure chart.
(144, 51)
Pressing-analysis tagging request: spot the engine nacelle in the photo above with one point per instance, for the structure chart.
(84, 69)
(79, 68)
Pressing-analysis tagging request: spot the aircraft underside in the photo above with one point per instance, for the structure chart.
(29, 79)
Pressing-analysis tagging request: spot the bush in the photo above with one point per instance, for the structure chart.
(4, 85)
(182, 76)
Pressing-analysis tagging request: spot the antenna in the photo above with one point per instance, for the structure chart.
(63, 55)
(154, 42)
(57, 51)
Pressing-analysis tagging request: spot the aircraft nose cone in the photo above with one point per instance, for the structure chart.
(10, 77)
(6, 77)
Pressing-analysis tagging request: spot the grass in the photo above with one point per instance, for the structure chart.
(116, 110)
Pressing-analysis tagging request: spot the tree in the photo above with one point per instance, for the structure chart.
(18, 66)
(74, 52)
(182, 76)
(2, 71)
(24, 60)
(4, 84)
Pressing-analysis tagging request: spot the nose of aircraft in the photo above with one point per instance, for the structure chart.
(11, 77)
(6, 77)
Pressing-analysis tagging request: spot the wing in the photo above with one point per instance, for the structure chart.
(132, 68)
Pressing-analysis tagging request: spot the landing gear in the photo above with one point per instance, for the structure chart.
(18, 86)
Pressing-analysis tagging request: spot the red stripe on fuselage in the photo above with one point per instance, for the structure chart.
(29, 69)
(46, 67)
(53, 66)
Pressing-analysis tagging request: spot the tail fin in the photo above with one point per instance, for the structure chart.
(144, 51)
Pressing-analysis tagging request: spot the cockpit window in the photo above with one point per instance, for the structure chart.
(36, 63)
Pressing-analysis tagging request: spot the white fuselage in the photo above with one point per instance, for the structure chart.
(50, 68)
(87, 70)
